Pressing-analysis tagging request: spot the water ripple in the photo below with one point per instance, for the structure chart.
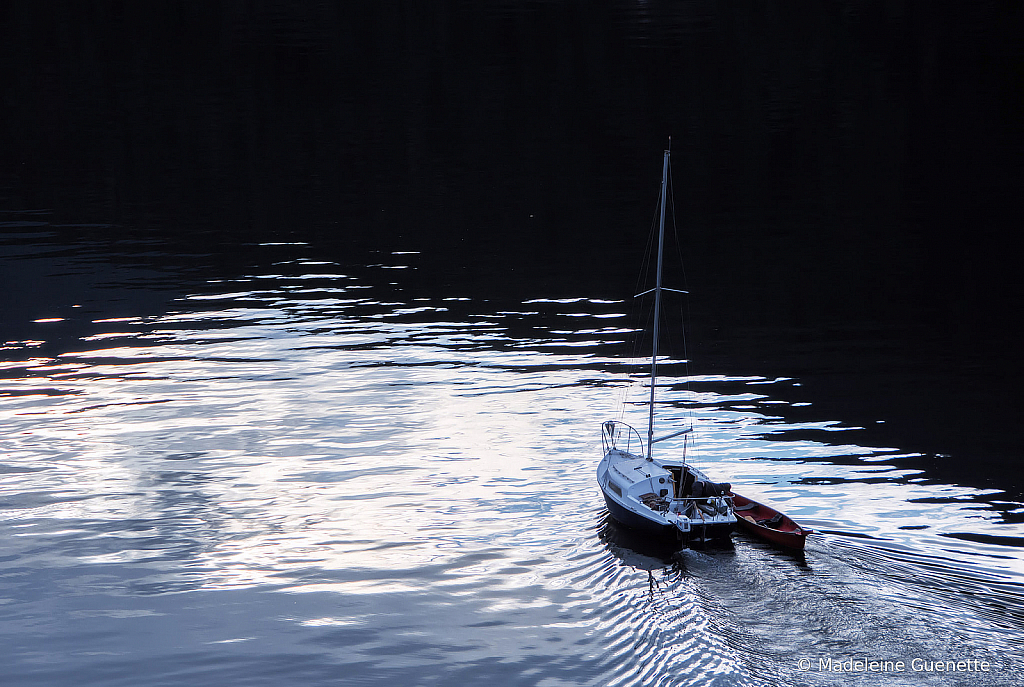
(273, 484)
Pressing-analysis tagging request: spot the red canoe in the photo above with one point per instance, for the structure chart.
(768, 523)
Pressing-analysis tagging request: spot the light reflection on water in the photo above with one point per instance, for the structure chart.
(291, 478)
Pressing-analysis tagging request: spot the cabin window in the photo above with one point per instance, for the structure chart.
(614, 487)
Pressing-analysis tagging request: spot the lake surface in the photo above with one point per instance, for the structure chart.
(298, 474)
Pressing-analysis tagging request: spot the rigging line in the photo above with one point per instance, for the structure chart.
(642, 274)
(639, 335)
(683, 321)
(637, 338)
(645, 268)
(684, 317)
(682, 265)
(675, 227)
(642, 317)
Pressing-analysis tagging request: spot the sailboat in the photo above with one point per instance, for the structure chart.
(658, 494)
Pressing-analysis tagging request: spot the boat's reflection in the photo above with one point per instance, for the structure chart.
(634, 548)
(646, 552)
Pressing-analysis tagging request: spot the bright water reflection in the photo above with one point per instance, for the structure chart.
(297, 476)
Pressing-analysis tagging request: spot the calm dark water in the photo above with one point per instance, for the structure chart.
(308, 329)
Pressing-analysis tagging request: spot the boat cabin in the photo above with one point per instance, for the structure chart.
(656, 485)
(639, 478)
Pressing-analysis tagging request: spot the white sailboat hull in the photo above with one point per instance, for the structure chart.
(646, 495)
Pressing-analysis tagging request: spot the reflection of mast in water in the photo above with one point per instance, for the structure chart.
(639, 551)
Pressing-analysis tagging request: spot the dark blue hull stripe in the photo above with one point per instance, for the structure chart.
(634, 521)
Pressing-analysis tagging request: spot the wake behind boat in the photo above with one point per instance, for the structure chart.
(662, 496)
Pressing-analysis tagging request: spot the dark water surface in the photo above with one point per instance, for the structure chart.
(310, 318)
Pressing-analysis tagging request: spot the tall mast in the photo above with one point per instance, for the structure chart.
(657, 307)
